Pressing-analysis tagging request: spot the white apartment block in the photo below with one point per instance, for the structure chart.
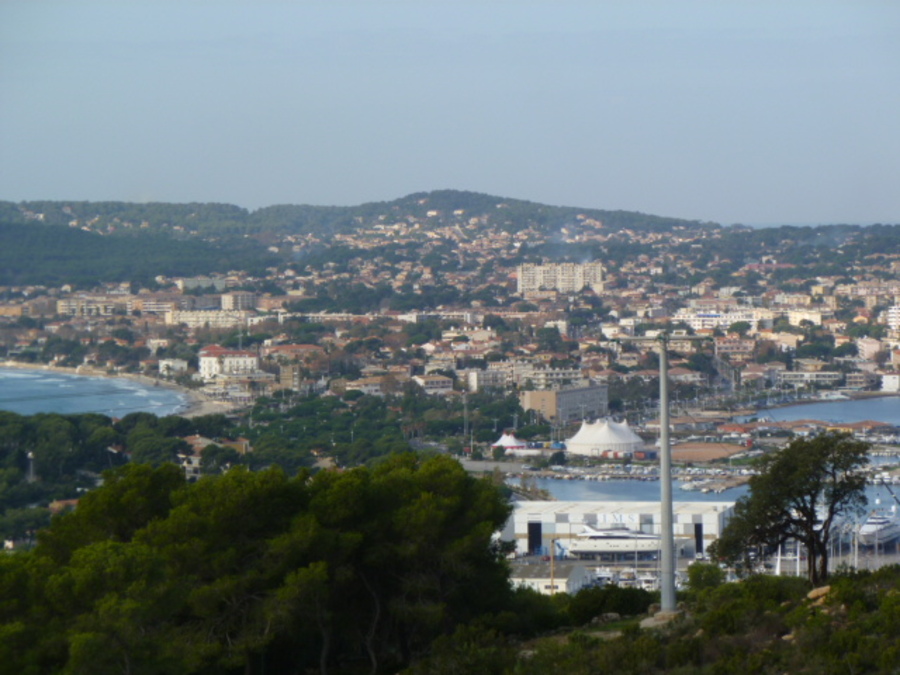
(823, 378)
(210, 318)
(216, 360)
(478, 380)
(891, 316)
(815, 316)
(793, 299)
(699, 320)
(890, 382)
(551, 378)
(85, 306)
(153, 305)
(193, 283)
(371, 386)
(238, 300)
(434, 385)
(172, 366)
(562, 277)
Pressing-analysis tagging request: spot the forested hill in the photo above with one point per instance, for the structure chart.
(83, 243)
(37, 254)
(438, 208)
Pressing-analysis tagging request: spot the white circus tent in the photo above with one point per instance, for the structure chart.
(508, 441)
(513, 446)
(604, 436)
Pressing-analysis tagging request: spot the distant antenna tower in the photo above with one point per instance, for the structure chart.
(30, 477)
(465, 415)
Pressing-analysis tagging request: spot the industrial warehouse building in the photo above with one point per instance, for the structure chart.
(535, 525)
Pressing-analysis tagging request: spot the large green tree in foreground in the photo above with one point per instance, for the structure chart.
(799, 494)
(256, 572)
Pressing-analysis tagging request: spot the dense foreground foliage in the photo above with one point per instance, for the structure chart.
(377, 570)
(255, 572)
(764, 624)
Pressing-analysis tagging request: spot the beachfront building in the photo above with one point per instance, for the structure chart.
(172, 367)
(216, 361)
(821, 378)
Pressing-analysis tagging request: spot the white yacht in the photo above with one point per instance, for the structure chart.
(879, 528)
(613, 540)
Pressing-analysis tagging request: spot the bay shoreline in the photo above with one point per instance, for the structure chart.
(196, 404)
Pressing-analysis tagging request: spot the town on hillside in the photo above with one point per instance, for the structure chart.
(507, 332)
(451, 294)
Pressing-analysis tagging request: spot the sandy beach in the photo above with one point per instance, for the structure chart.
(197, 403)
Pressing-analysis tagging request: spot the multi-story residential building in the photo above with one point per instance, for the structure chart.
(735, 348)
(867, 347)
(825, 378)
(551, 378)
(193, 283)
(238, 300)
(85, 306)
(891, 316)
(815, 316)
(377, 385)
(170, 367)
(216, 360)
(286, 353)
(890, 382)
(478, 380)
(160, 303)
(211, 318)
(793, 299)
(562, 277)
(580, 402)
(700, 320)
(861, 380)
(434, 385)
(11, 310)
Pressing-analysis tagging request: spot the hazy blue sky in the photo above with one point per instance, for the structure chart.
(730, 111)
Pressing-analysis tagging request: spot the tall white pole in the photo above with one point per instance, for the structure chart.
(667, 580)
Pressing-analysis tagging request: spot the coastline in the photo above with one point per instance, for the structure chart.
(851, 396)
(196, 404)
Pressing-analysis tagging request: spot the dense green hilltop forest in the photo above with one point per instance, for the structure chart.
(221, 219)
(85, 243)
(53, 255)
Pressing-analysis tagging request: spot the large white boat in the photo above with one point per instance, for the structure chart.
(879, 528)
(613, 540)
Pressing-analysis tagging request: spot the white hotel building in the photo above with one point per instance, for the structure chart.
(216, 360)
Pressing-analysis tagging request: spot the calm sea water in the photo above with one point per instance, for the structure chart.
(628, 491)
(882, 409)
(34, 391)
